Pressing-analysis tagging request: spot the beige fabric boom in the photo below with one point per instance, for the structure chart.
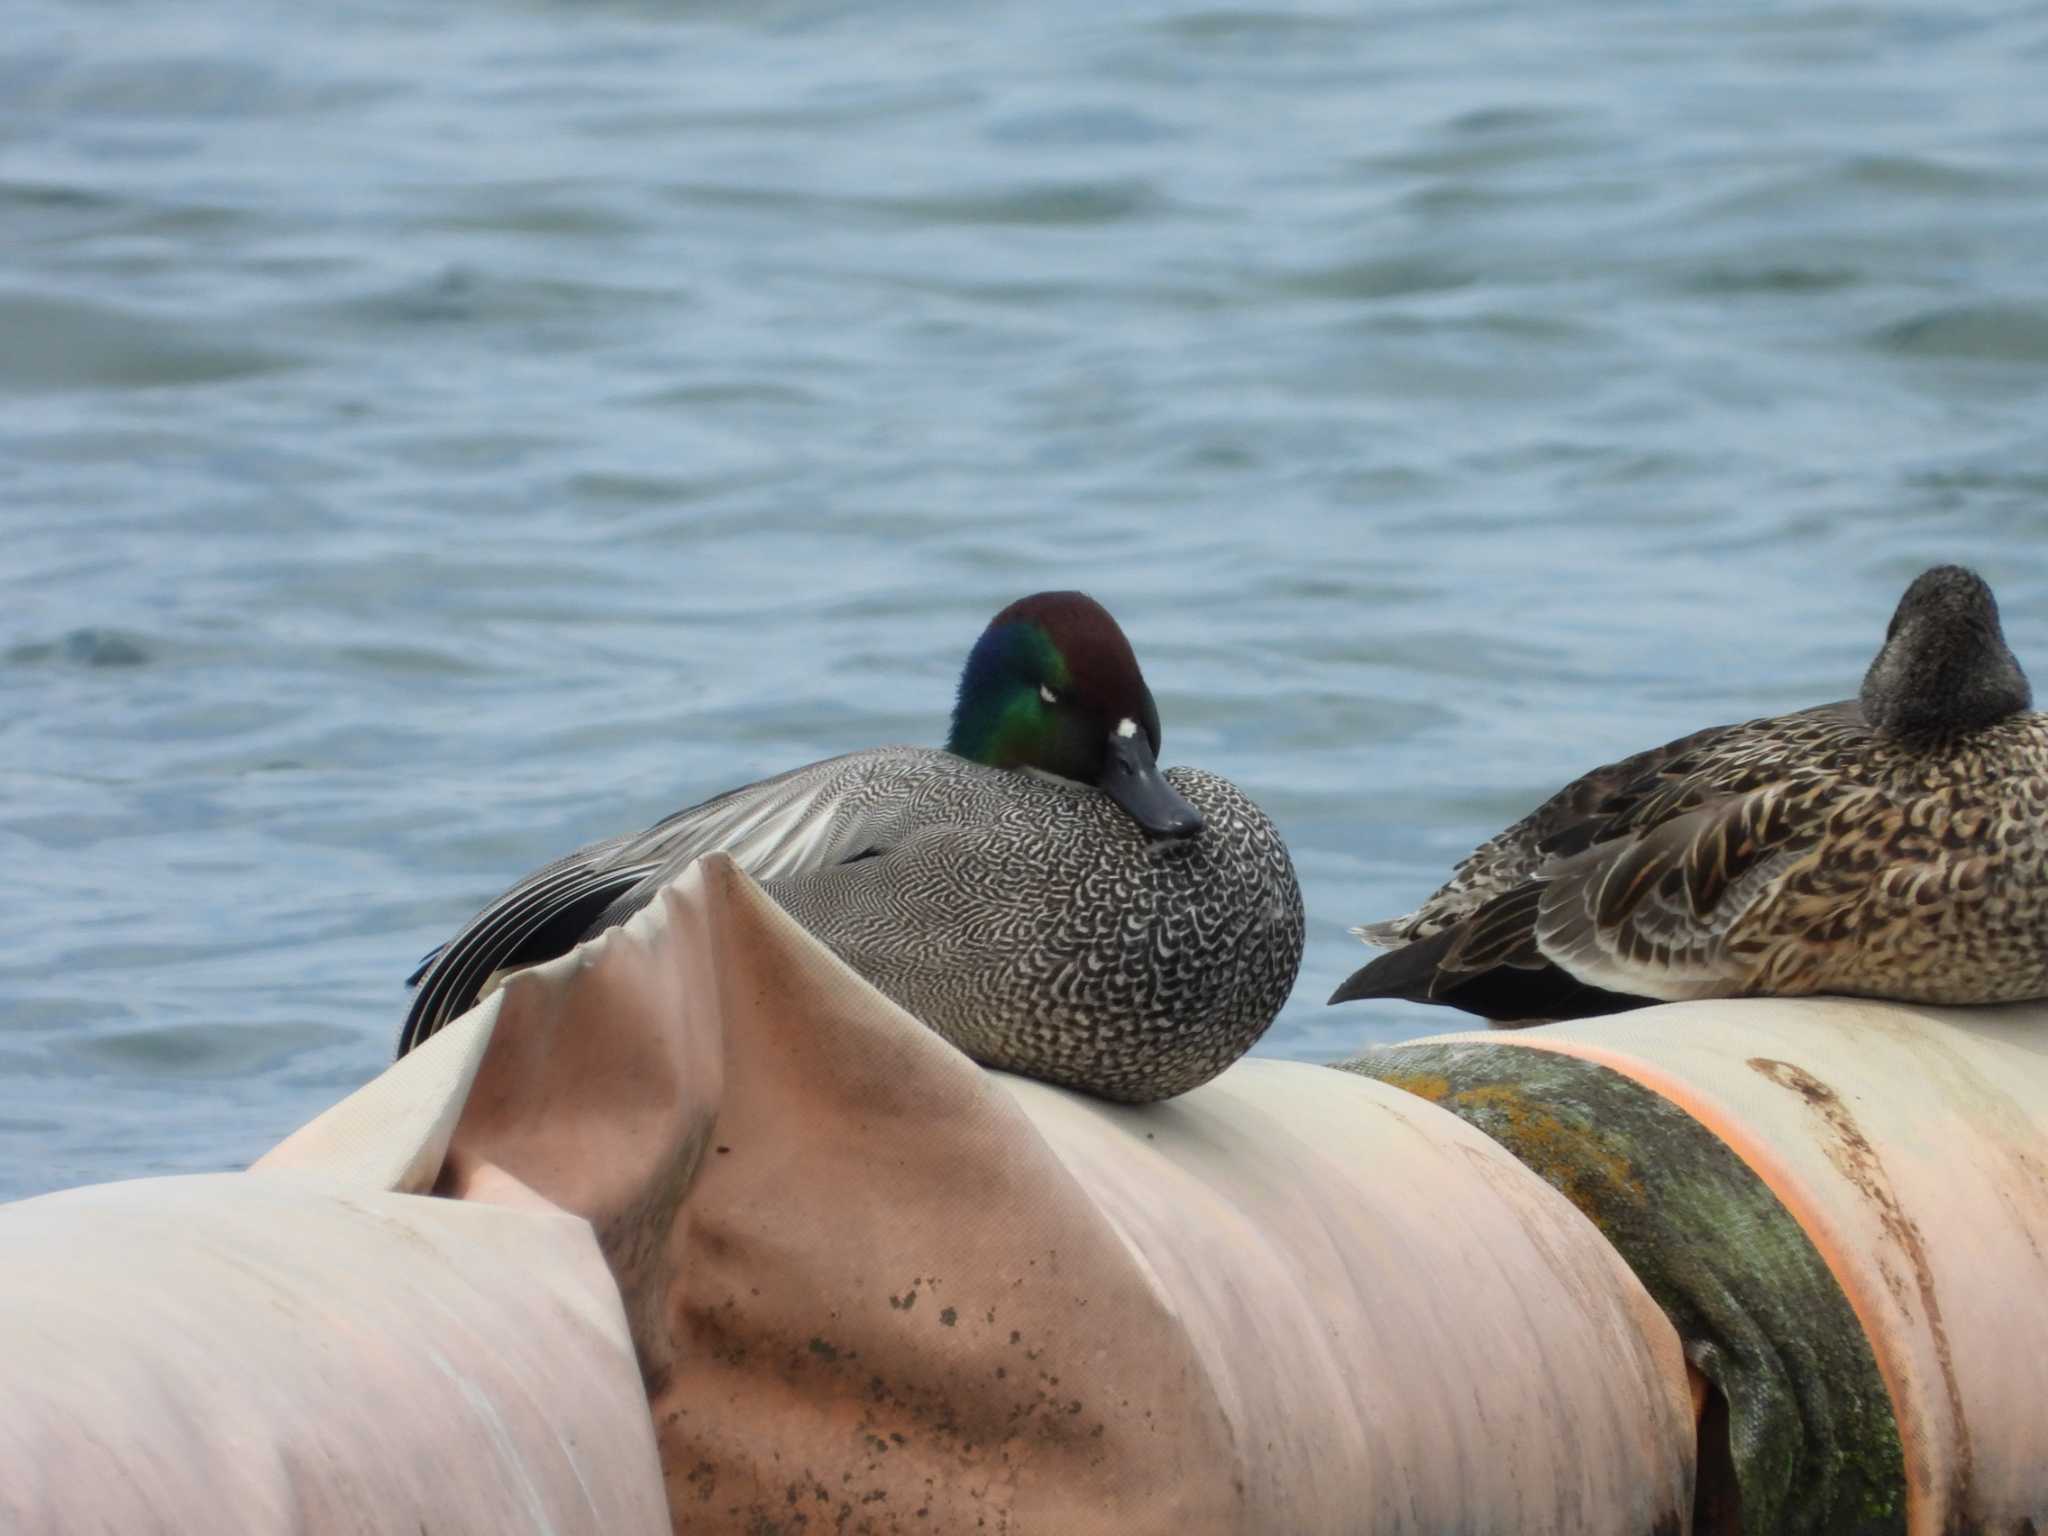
(871, 1287)
(878, 1289)
(283, 1353)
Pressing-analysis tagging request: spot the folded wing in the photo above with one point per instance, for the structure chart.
(798, 821)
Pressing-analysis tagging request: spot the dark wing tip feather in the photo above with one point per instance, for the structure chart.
(546, 917)
(1496, 974)
(1406, 972)
(426, 964)
(1500, 933)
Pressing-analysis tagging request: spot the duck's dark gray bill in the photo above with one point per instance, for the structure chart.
(1132, 779)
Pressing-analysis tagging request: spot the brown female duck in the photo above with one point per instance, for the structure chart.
(1891, 845)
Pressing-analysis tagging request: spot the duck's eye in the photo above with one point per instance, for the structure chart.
(1047, 694)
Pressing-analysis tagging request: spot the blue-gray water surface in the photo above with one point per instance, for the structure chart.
(434, 436)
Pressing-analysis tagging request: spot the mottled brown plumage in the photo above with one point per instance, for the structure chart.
(1893, 845)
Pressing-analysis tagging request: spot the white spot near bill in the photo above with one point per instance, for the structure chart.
(1127, 728)
(1047, 694)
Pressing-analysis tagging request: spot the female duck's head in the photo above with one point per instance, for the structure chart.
(1052, 685)
(1945, 667)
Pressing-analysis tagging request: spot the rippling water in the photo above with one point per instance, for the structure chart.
(431, 436)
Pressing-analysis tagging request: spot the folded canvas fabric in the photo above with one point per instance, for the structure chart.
(843, 1280)
(878, 1289)
(1825, 1195)
(272, 1352)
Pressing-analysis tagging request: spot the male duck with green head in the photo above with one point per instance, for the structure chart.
(1039, 892)
(1052, 686)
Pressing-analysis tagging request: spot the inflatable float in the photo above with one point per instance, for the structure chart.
(693, 1230)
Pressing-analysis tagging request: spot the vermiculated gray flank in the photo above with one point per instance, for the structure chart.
(1023, 917)
(1131, 966)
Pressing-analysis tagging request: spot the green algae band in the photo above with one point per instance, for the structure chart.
(1810, 1440)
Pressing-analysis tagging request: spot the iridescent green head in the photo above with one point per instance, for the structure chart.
(1052, 685)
